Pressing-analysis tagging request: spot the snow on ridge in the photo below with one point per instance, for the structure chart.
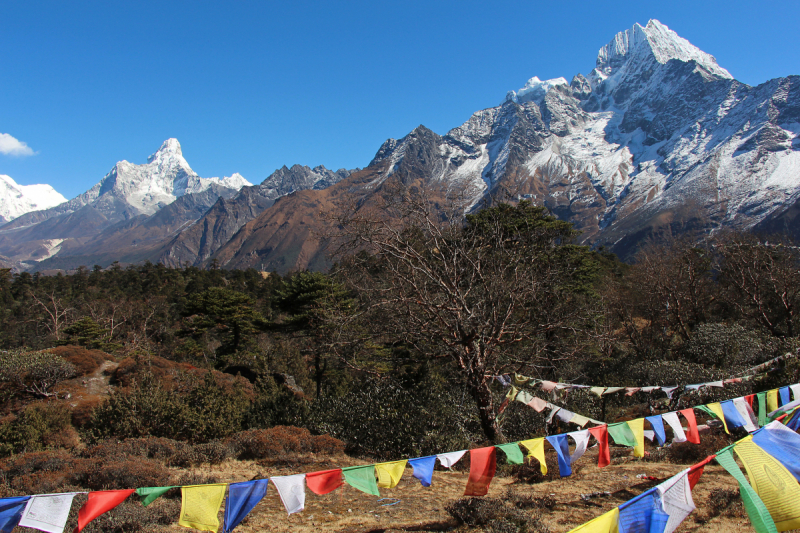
(655, 39)
(534, 90)
(16, 199)
(149, 186)
(234, 181)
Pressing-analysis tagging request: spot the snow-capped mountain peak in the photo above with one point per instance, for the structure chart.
(16, 199)
(169, 148)
(534, 90)
(631, 48)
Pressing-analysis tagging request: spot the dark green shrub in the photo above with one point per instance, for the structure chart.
(207, 411)
(147, 409)
(33, 373)
(276, 405)
(727, 346)
(40, 426)
(385, 419)
(86, 332)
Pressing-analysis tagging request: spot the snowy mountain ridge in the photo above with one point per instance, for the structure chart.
(147, 188)
(16, 199)
(630, 48)
(656, 127)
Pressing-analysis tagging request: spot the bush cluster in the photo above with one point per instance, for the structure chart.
(39, 426)
(496, 515)
(279, 440)
(387, 418)
(201, 412)
(85, 361)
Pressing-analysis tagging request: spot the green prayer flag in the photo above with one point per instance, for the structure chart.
(151, 494)
(756, 510)
(362, 478)
(762, 408)
(513, 453)
(622, 434)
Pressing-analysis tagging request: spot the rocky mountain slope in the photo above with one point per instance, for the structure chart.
(16, 199)
(128, 194)
(161, 211)
(197, 244)
(657, 135)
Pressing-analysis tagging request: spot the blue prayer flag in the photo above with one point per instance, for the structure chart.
(794, 421)
(242, 497)
(658, 428)
(423, 469)
(11, 512)
(561, 444)
(643, 514)
(785, 395)
(732, 416)
(781, 444)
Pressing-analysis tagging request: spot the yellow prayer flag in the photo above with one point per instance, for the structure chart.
(775, 485)
(772, 400)
(716, 408)
(535, 449)
(200, 506)
(389, 474)
(605, 523)
(637, 428)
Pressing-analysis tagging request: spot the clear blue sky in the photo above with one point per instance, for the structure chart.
(250, 86)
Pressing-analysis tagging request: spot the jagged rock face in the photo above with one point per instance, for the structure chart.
(196, 244)
(656, 132)
(186, 231)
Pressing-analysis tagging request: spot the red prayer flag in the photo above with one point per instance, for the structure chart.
(749, 399)
(100, 502)
(482, 466)
(324, 481)
(692, 435)
(696, 471)
(600, 433)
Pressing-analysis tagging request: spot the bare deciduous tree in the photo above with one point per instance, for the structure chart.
(762, 281)
(56, 312)
(498, 291)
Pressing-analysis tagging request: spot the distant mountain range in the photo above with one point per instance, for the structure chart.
(657, 135)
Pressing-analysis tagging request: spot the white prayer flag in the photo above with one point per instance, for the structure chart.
(747, 414)
(450, 458)
(675, 423)
(48, 512)
(676, 499)
(581, 439)
(292, 490)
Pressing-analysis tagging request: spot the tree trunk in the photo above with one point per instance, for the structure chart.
(483, 399)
